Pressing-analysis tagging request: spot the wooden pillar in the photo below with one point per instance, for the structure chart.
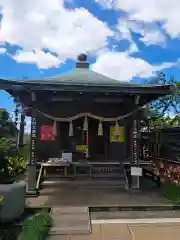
(31, 185)
(21, 131)
(136, 171)
(157, 144)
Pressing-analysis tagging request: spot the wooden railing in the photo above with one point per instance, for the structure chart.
(124, 175)
(39, 177)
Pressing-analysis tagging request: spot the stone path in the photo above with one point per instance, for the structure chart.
(70, 220)
(128, 232)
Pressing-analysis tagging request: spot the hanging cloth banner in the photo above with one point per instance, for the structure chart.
(85, 129)
(46, 133)
(114, 137)
(86, 143)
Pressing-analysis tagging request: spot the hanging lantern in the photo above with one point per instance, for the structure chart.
(100, 128)
(71, 132)
(117, 129)
(54, 129)
(85, 126)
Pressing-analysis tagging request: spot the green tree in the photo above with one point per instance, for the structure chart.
(13, 161)
(7, 126)
(163, 112)
(169, 103)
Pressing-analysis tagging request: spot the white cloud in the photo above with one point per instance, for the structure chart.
(40, 58)
(120, 66)
(149, 11)
(2, 50)
(39, 24)
(151, 33)
(47, 24)
(107, 3)
(153, 37)
(124, 32)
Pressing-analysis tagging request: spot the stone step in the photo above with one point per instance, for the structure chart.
(91, 183)
(70, 220)
(107, 176)
(102, 215)
(70, 210)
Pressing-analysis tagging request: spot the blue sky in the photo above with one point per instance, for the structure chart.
(124, 39)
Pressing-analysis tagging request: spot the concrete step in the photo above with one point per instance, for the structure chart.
(107, 176)
(70, 220)
(134, 214)
(87, 183)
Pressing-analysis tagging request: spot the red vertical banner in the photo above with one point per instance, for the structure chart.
(46, 133)
(85, 136)
(86, 143)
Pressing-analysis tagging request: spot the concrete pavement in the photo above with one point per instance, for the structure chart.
(120, 231)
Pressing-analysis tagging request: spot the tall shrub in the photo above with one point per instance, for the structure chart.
(11, 161)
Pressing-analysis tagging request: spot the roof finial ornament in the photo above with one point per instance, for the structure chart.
(82, 61)
(82, 57)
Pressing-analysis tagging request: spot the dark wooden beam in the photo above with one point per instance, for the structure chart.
(108, 100)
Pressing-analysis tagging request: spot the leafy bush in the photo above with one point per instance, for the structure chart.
(11, 161)
(172, 192)
(16, 165)
(37, 227)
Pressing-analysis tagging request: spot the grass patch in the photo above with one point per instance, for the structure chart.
(172, 192)
(37, 227)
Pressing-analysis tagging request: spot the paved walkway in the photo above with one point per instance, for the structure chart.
(94, 196)
(70, 220)
(116, 231)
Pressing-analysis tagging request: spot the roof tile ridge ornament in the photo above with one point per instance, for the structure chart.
(82, 61)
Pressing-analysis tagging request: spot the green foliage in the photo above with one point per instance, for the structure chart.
(12, 162)
(154, 120)
(7, 127)
(16, 165)
(172, 192)
(168, 103)
(36, 228)
(159, 112)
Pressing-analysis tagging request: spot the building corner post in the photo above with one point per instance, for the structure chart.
(31, 181)
(136, 171)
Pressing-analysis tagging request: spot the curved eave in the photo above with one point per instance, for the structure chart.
(18, 85)
(147, 92)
